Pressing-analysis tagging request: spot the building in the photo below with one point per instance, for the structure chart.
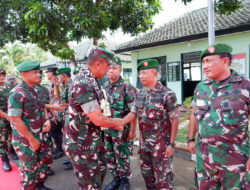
(82, 51)
(177, 46)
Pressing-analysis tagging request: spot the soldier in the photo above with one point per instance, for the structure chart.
(82, 139)
(5, 128)
(221, 106)
(30, 128)
(65, 79)
(12, 81)
(57, 124)
(156, 107)
(118, 144)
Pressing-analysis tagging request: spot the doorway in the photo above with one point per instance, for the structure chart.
(191, 72)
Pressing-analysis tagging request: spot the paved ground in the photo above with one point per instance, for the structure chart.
(64, 180)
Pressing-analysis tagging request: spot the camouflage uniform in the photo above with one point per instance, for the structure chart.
(56, 128)
(82, 141)
(26, 102)
(120, 95)
(222, 148)
(5, 129)
(154, 108)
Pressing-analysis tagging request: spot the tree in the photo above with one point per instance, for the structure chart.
(223, 6)
(13, 54)
(52, 24)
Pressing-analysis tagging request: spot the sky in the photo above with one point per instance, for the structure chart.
(171, 9)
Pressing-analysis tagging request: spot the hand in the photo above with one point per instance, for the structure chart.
(131, 135)
(191, 147)
(46, 126)
(248, 165)
(34, 143)
(169, 151)
(118, 125)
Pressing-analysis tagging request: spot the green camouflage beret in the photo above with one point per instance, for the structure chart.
(28, 65)
(101, 52)
(63, 70)
(76, 70)
(117, 60)
(147, 64)
(216, 49)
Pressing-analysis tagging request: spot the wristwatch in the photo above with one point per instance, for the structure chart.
(190, 140)
(172, 144)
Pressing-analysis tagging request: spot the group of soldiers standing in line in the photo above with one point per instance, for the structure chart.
(94, 126)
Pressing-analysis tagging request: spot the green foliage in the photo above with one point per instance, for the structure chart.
(52, 24)
(13, 54)
(187, 102)
(223, 6)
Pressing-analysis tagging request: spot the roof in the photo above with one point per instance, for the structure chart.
(190, 26)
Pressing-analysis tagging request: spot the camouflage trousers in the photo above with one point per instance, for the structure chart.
(156, 170)
(229, 176)
(5, 134)
(33, 165)
(118, 149)
(89, 167)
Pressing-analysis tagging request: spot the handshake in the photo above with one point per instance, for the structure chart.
(118, 124)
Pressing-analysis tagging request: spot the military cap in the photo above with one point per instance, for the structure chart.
(101, 52)
(76, 70)
(216, 49)
(52, 69)
(2, 71)
(147, 64)
(117, 60)
(28, 65)
(63, 70)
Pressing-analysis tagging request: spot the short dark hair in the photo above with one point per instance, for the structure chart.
(228, 55)
(68, 74)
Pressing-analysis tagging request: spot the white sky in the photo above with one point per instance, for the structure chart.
(170, 9)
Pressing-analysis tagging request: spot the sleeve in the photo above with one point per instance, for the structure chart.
(130, 92)
(86, 97)
(15, 104)
(171, 105)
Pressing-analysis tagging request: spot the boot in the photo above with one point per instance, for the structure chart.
(125, 185)
(65, 162)
(6, 163)
(68, 166)
(40, 186)
(113, 184)
(50, 172)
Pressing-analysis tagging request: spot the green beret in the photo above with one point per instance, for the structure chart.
(28, 65)
(76, 70)
(101, 52)
(216, 49)
(117, 60)
(63, 70)
(147, 64)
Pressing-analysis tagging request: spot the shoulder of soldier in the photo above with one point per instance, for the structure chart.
(17, 91)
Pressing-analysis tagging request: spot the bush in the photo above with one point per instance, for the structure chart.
(187, 102)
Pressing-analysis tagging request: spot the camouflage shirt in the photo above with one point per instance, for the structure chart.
(24, 102)
(65, 92)
(43, 94)
(120, 96)
(154, 108)
(80, 132)
(222, 111)
(4, 94)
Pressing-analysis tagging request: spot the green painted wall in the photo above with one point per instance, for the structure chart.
(240, 43)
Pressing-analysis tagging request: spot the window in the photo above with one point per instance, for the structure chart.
(127, 75)
(173, 71)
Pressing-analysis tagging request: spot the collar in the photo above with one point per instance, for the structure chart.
(116, 83)
(234, 77)
(158, 87)
(26, 86)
